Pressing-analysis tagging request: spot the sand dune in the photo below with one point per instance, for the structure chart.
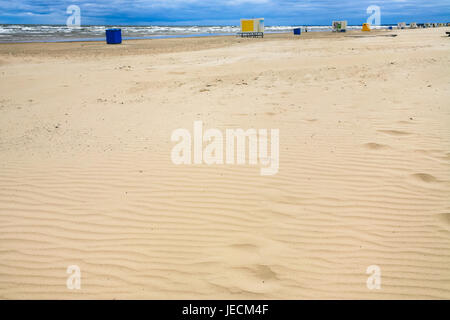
(86, 177)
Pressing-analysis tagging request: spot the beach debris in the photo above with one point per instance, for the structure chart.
(126, 68)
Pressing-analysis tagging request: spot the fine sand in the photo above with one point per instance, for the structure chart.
(86, 176)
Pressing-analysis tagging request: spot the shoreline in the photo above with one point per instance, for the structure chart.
(76, 49)
(127, 35)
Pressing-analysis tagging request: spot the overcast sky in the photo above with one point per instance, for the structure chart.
(222, 12)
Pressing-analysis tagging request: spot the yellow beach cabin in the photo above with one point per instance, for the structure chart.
(252, 28)
(252, 25)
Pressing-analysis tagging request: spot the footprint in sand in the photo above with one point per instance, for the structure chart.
(375, 146)
(264, 272)
(247, 247)
(444, 217)
(425, 177)
(395, 132)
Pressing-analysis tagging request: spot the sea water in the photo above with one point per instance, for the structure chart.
(62, 33)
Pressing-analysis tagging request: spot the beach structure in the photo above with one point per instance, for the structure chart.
(366, 27)
(401, 25)
(252, 28)
(339, 26)
(298, 31)
(113, 36)
(413, 25)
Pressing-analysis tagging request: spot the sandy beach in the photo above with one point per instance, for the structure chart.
(86, 176)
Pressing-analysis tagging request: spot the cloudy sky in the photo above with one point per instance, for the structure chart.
(222, 12)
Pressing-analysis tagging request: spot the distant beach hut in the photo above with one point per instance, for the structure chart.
(113, 36)
(401, 25)
(366, 27)
(339, 26)
(298, 31)
(252, 28)
(413, 25)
